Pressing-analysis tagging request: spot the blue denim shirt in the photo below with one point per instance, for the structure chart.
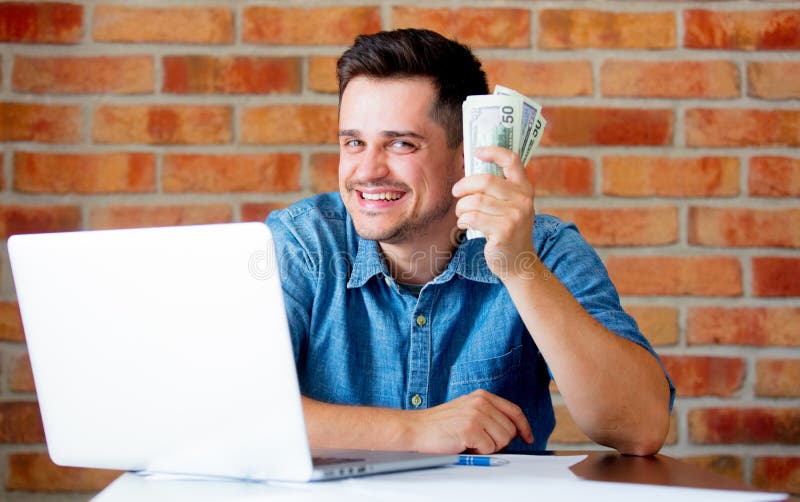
(361, 339)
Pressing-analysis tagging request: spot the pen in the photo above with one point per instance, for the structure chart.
(483, 461)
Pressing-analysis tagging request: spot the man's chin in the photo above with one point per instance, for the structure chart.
(388, 236)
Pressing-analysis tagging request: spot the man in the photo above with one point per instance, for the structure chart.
(409, 337)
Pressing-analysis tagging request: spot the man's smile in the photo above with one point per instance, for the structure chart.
(379, 198)
(381, 195)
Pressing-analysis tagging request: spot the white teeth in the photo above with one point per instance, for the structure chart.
(381, 196)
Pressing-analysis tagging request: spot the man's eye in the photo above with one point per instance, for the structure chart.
(352, 143)
(403, 146)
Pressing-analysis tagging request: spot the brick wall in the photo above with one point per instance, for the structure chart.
(671, 143)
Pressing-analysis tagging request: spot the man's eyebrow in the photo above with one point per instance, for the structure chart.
(355, 133)
(402, 134)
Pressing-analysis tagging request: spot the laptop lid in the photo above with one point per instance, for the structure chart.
(162, 349)
(167, 349)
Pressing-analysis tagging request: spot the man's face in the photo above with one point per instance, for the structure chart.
(395, 168)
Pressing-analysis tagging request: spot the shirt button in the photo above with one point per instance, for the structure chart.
(387, 280)
(416, 400)
(421, 321)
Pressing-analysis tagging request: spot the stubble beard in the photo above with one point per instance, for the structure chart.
(413, 225)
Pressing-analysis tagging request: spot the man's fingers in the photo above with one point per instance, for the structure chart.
(514, 414)
(480, 421)
(480, 202)
(488, 184)
(501, 429)
(482, 443)
(508, 160)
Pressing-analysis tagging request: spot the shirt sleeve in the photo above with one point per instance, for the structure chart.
(298, 277)
(576, 264)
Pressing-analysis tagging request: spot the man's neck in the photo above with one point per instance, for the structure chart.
(418, 261)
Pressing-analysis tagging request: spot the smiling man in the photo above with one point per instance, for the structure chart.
(409, 337)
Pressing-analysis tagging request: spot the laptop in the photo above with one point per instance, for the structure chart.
(168, 350)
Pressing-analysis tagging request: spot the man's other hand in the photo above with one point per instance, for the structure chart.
(479, 422)
(501, 208)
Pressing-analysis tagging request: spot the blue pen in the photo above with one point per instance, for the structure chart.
(482, 461)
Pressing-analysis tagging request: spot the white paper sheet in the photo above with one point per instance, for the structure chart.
(524, 478)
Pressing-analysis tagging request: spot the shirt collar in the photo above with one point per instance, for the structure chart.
(369, 262)
(468, 262)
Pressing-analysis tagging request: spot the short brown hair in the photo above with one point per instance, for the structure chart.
(454, 71)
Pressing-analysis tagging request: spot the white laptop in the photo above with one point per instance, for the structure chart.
(167, 350)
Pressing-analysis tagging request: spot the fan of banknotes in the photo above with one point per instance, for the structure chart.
(505, 118)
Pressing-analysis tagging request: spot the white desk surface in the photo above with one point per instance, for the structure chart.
(524, 478)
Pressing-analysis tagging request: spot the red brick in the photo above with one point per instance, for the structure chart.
(629, 226)
(561, 175)
(541, 78)
(194, 25)
(774, 177)
(324, 172)
(279, 172)
(696, 376)
(35, 472)
(773, 79)
(778, 378)
(299, 124)
(84, 172)
(742, 30)
(475, 27)
(37, 219)
(20, 422)
(10, 322)
(42, 123)
(716, 127)
(583, 126)
(758, 326)
(231, 75)
(737, 227)
(659, 324)
(670, 275)
(777, 474)
(726, 465)
(258, 211)
(584, 28)
(20, 379)
(41, 22)
(308, 26)
(162, 124)
(679, 79)
(776, 276)
(635, 176)
(81, 75)
(158, 216)
(744, 425)
(322, 74)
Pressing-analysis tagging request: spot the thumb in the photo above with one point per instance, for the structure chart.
(506, 159)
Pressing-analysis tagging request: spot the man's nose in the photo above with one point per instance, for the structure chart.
(373, 164)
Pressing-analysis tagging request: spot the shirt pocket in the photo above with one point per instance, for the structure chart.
(498, 375)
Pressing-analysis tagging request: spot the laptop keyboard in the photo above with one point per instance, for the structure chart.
(334, 460)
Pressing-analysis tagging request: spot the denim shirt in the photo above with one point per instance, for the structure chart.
(361, 339)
